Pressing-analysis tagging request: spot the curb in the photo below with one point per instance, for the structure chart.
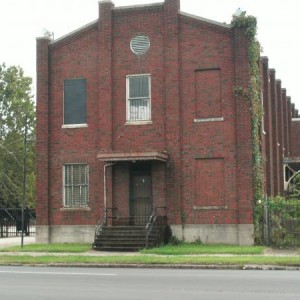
(163, 266)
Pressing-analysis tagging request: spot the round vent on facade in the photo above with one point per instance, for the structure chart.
(140, 44)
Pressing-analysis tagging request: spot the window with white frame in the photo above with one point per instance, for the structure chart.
(138, 104)
(76, 185)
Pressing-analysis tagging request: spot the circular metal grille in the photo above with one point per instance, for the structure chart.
(140, 44)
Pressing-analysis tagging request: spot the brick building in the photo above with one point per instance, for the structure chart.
(136, 111)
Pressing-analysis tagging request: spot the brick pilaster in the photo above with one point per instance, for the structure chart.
(285, 123)
(268, 128)
(245, 174)
(275, 130)
(105, 92)
(105, 75)
(280, 135)
(172, 117)
(42, 132)
(289, 117)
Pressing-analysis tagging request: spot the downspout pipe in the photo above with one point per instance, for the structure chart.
(104, 190)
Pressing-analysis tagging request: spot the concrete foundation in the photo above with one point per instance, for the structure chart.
(65, 234)
(239, 234)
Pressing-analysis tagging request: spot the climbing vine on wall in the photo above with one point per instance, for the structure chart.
(253, 94)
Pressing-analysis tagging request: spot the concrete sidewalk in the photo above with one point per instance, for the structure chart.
(15, 241)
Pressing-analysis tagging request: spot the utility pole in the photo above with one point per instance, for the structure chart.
(24, 181)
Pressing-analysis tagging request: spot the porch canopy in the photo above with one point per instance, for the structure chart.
(133, 156)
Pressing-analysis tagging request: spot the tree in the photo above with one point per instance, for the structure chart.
(16, 108)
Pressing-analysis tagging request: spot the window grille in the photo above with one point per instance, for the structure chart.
(76, 185)
(138, 98)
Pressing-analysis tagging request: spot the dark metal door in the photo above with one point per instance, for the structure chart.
(140, 196)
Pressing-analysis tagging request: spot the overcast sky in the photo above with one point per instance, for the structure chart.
(22, 21)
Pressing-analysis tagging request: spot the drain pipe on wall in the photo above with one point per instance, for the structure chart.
(104, 189)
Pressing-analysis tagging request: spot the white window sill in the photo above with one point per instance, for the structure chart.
(75, 208)
(74, 126)
(209, 120)
(137, 123)
(208, 207)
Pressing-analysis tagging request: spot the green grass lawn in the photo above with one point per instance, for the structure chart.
(185, 254)
(196, 248)
(151, 260)
(182, 249)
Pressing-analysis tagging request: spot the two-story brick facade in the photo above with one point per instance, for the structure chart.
(136, 111)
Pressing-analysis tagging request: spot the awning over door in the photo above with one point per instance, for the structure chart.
(133, 156)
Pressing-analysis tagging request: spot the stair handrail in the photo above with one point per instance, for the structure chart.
(152, 222)
(99, 227)
(103, 221)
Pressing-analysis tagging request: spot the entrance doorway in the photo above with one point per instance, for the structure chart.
(140, 193)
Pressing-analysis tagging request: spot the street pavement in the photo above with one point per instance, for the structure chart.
(35, 283)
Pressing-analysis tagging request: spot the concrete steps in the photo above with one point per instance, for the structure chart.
(127, 238)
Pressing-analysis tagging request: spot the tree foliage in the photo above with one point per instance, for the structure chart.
(16, 109)
(294, 187)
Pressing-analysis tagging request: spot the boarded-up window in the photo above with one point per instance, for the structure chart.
(208, 94)
(210, 182)
(75, 101)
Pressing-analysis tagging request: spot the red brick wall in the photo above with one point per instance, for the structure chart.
(194, 66)
(121, 173)
(205, 46)
(74, 58)
(125, 62)
(210, 183)
(208, 93)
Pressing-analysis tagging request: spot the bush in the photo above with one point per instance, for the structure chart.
(173, 240)
(283, 220)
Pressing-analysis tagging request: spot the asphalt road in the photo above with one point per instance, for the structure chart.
(30, 283)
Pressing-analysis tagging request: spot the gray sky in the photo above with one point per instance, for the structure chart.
(22, 21)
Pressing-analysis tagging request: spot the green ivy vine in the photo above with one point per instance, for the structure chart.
(253, 95)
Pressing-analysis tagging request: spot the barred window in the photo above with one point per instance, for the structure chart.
(138, 98)
(76, 185)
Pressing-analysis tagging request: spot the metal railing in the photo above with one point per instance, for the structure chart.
(158, 217)
(154, 220)
(103, 221)
(11, 222)
(281, 224)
